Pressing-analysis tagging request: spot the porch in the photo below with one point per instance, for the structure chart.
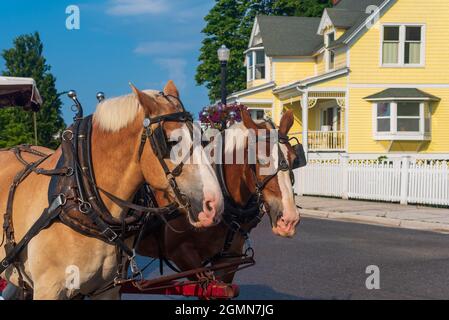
(324, 141)
(321, 126)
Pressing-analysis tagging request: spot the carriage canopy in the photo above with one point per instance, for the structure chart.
(19, 92)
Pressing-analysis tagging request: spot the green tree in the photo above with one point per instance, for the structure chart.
(230, 23)
(25, 59)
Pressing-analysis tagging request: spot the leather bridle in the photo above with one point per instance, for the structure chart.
(254, 209)
(283, 166)
(158, 143)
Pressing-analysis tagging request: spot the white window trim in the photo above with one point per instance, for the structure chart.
(327, 53)
(393, 134)
(401, 63)
(253, 71)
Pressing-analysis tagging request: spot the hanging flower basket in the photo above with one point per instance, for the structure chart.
(218, 116)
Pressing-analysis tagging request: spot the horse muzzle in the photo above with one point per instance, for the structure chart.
(211, 213)
(286, 227)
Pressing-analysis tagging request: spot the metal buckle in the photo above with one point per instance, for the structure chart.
(5, 264)
(84, 207)
(133, 265)
(69, 172)
(62, 200)
(59, 201)
(63, 135)
(110, 234)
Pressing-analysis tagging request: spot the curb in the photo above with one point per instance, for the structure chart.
(388, 222)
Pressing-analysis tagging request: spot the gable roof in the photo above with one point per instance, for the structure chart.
(344, 18)
(401, 94)
(289, 36)
(357, 5)
(297, 36)
(366, 9)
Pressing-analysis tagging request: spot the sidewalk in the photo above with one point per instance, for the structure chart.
(387, 214)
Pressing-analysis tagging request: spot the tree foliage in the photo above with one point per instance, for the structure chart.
(230, 23)
(25, 59)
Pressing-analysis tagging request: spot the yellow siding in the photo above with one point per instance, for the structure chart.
(360, 124)
(340, 82)
(320, 64)
(339, 32)
(440, 122)
(266, 94)
(365, 53)
(289, 71)
(255, 83)
(340, 59)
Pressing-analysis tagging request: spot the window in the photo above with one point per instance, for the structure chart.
(260, 64)
(255, 63)
(330, 54)
(408, 117)
(257, 114)
(403, 45)
(250, 65)
(391, 45)
(404, 120)
(412, 54)
(383, 117)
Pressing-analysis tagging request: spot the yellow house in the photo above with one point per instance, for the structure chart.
(370, 77)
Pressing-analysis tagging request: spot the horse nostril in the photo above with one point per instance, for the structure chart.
(209, 205)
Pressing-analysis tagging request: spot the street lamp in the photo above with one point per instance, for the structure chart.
(223, 57)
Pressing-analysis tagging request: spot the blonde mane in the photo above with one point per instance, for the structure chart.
(117, 113)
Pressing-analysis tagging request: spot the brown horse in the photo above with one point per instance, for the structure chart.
(116, 141)
(190, 248)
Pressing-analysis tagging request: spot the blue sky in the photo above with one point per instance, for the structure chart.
(146, 42)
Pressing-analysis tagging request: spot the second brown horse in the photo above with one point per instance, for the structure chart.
(190, 249)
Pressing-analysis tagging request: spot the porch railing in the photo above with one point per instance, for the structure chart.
(324, 140)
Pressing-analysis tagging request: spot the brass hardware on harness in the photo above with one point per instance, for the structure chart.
(64, 135)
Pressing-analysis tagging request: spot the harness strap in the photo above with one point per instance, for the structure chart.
(47, 216)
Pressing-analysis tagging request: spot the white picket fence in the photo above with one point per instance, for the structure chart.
(399, 180)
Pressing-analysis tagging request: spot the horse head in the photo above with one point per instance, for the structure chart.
(276, 187)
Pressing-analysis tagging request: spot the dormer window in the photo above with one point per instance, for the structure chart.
(255, 64)
(330, 54)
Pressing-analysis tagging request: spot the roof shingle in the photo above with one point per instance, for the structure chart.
(289, 36)
(401, 93)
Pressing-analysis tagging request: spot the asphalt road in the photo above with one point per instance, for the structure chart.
(328, 260)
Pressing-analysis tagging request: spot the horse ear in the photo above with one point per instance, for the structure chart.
(248, 121)
(170, 89)
(286, 122)
(146, 101)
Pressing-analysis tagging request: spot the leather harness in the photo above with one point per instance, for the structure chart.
(74, 196)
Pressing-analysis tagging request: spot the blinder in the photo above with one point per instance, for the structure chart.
(162, 148)
(300, 160)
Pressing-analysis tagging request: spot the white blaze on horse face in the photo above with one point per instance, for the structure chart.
(290, 214)
(199, 175)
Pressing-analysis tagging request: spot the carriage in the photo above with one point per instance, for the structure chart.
(23, 92)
